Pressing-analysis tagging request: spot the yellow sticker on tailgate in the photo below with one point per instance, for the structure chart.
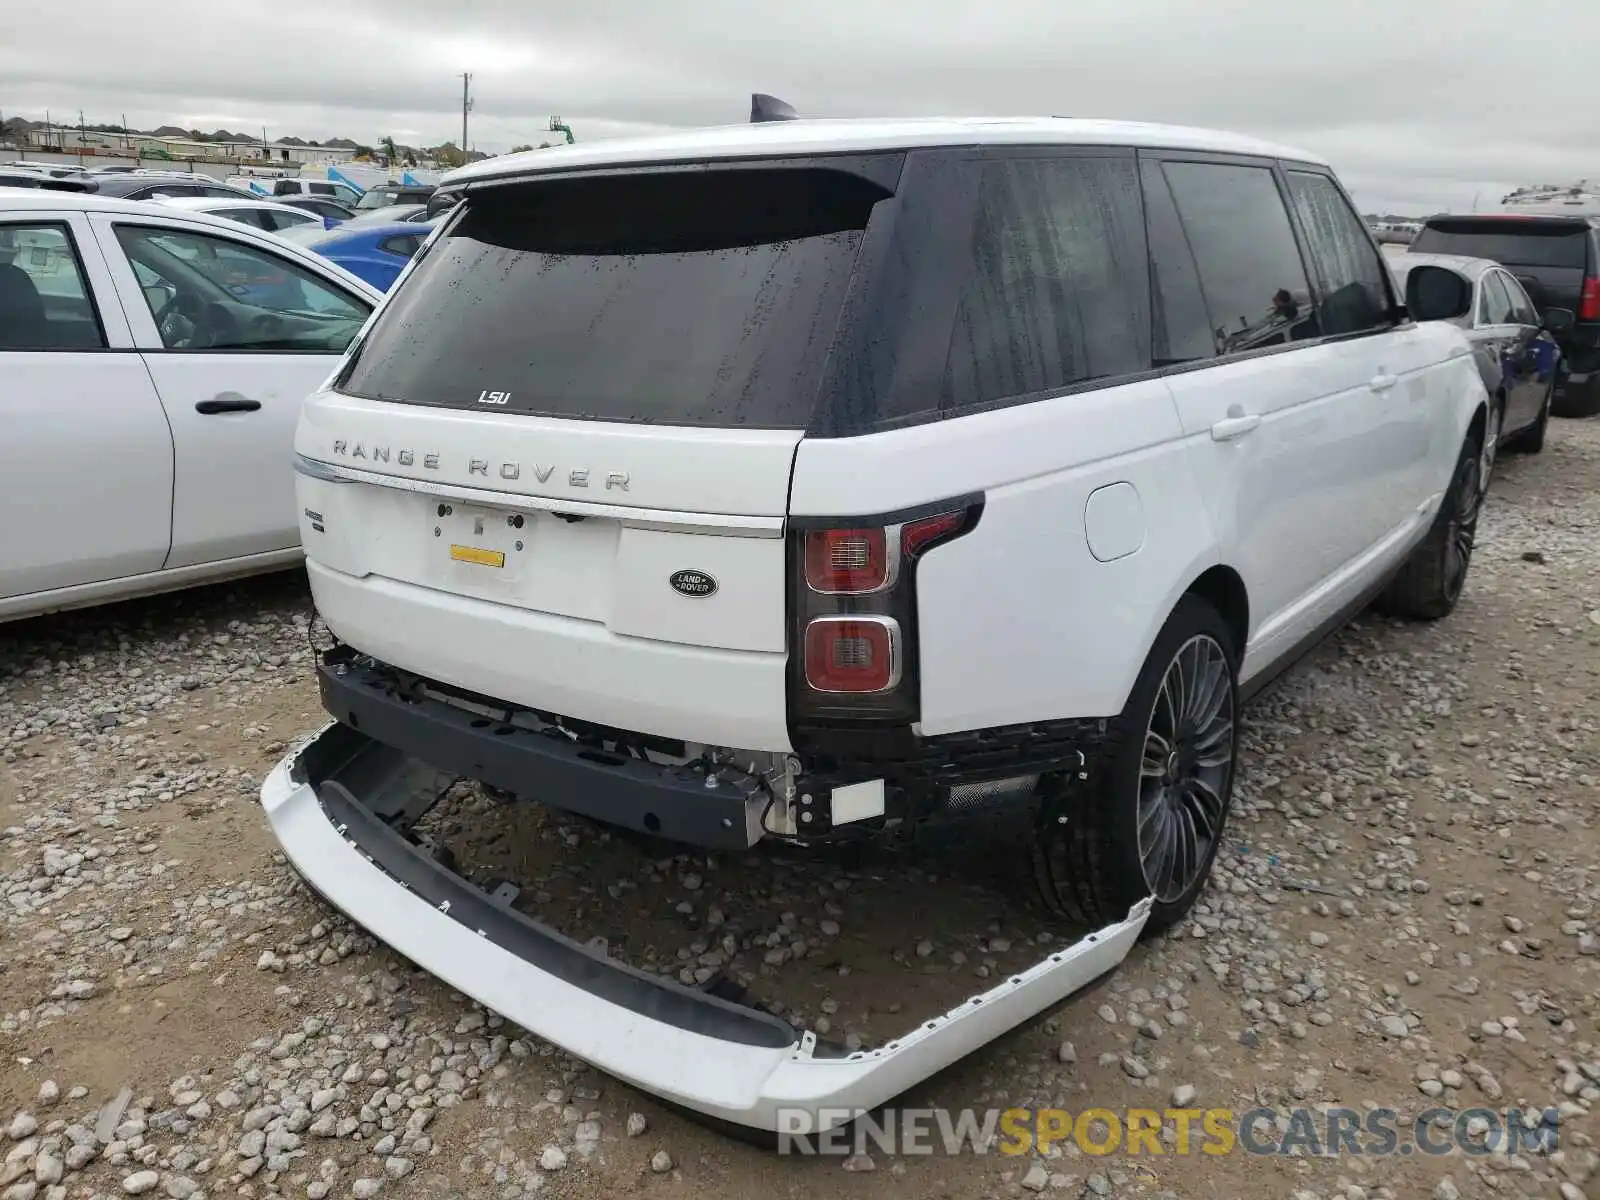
(483, 558)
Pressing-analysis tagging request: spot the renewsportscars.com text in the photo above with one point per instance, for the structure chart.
(1375, 1132)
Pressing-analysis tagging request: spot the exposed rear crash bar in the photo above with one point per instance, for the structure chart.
(685, 1045)
(674, 803)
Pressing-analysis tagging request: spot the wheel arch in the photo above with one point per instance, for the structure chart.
(1480, 421)
(1223, 588)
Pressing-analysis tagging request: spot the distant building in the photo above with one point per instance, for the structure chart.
(148, 145)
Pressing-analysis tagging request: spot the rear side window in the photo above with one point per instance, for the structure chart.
(1350, 277)
(44, 298)
(1058, 291)
(694, 297)
(1494, 302)
(1235, 225)
(1503, 240)
(1522, 309)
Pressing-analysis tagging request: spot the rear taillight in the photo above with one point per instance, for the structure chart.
(1589, 304)
(847, 561)
(855, 655)
(853, 608)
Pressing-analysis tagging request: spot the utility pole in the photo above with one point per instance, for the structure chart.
(266, 151)
(80, 137)
(466, 107)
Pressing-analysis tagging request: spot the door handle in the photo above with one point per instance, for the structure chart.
(1383, 381)
(226, 402)
(1235, 425)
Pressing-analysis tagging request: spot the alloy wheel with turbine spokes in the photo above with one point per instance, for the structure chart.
(1186, 767)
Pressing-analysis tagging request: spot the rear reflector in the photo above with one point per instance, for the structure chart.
(1589, 305)
(840, 561)
(853, 654)
(917, 535)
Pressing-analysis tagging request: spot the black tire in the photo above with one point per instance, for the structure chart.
(1087, 860)
(1430, 583)
(1581, 401)
(1531, 439)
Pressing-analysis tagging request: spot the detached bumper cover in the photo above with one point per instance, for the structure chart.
(685, 1045)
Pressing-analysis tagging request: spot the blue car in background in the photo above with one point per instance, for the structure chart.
(376, 253)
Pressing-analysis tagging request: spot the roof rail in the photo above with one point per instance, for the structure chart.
(769, 108)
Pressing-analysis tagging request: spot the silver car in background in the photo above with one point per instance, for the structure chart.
(1514, 347)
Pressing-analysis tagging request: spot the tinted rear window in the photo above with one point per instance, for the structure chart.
(1514, 243)
(696, 297)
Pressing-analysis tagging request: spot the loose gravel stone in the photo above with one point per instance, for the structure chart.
(140, 1182)
(554, 1158)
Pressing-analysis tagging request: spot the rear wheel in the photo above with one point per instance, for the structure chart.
(1581, 401)
(1150, 818)
(1430, 582)
(1531, 439)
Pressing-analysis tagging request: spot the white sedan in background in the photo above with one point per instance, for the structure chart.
(260, 214)
(152, 366)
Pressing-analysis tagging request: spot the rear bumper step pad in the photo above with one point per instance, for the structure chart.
(687, 1046)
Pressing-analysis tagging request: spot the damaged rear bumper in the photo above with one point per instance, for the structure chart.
(690, 1047)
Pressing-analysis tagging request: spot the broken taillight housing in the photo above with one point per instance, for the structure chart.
(853, 613)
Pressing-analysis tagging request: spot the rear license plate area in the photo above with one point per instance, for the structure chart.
(481, 544)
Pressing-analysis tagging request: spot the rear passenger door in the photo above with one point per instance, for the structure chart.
(1524, 350)
(1283, 424)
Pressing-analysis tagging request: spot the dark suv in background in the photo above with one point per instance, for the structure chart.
(1556, 258)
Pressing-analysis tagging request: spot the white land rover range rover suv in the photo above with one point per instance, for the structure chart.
(812, 480)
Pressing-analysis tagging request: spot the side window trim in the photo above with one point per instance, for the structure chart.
(93, 280)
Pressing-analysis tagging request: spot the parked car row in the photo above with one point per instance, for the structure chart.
(376, 247)
(1554, 258)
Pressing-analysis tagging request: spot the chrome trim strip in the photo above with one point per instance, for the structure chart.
(627, 515)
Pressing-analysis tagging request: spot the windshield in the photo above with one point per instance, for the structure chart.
(683, 298)
(378, 197)
(1513, 243)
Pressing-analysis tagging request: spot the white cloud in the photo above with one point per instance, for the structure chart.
(1421, 105)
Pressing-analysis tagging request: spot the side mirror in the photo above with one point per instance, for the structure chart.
(1437, 294)
(1557, 319)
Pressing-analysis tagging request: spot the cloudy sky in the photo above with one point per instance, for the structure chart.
(1421, 104)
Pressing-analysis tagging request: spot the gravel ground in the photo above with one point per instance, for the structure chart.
(1404, 916)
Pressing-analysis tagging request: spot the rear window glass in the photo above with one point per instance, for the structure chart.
(695, 297)
(1527, 244)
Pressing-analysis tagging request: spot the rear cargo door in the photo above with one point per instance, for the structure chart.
(585, 398)
(1548, 256)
